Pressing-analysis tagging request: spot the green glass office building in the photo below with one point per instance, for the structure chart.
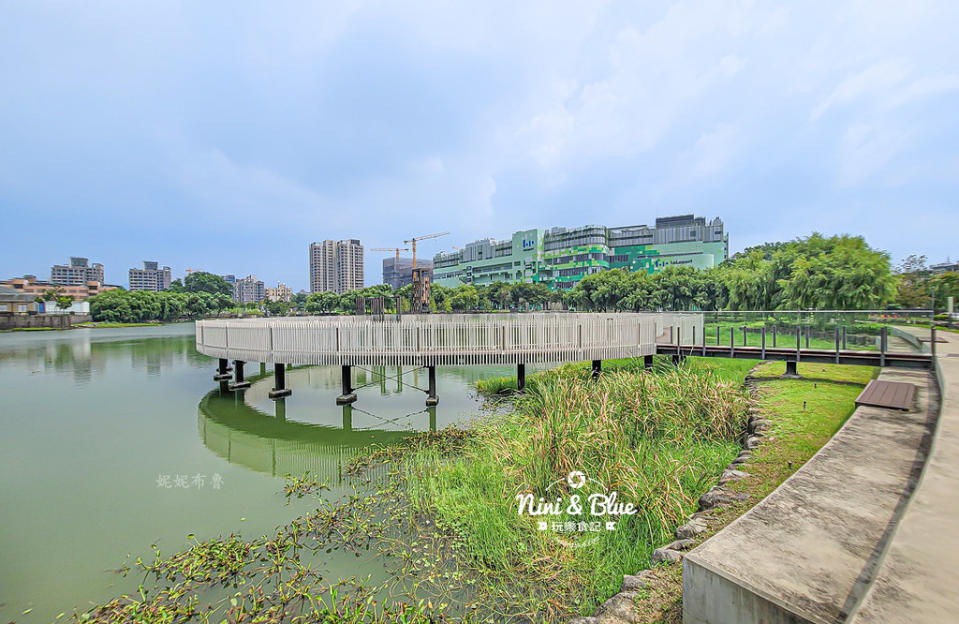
(560, 257)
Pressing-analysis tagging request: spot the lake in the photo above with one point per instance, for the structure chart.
(117, 439)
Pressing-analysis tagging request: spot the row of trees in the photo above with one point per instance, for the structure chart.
(137, 306)
(817, 272)
(839, 272)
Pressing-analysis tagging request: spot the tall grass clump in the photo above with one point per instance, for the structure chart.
(658, 439)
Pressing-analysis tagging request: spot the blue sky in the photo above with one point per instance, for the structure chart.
(228, 136)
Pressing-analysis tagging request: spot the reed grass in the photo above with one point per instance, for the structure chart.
(660, 440)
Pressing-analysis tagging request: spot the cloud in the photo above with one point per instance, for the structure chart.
(713, 150)
(875, 80)
(296, 122)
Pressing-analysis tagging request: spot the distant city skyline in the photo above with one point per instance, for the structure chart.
(229, 145)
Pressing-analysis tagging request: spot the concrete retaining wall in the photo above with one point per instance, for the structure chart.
(56, 321)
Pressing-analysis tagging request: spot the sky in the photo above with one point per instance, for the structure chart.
(228, 136)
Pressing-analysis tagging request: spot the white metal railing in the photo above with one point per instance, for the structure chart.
(447, 339)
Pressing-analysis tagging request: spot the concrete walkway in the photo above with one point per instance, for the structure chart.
(866, 532)
(916, 581)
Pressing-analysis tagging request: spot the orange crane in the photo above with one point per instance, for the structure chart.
(396, 249)
(419, 238)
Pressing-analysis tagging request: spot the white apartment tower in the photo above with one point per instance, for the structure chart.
(336, 266)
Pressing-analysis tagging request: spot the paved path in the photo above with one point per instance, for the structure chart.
(807, 551)
(916, 581)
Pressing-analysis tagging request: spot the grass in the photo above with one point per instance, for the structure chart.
(830, 372)
(29, 329)
(101, 324)
(803, 415)
(659, 440)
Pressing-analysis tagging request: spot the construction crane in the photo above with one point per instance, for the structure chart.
(419, 238)
(396, 249)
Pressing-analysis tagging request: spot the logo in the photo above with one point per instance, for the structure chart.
(577, 509)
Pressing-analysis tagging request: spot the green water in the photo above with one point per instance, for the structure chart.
(116, 439)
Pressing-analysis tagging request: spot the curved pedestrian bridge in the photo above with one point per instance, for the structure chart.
(447, 339)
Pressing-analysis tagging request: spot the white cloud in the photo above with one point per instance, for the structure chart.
(865, 150)
(876, 79)
(712, 151)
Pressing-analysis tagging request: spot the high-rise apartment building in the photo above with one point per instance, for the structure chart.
(560, 257)
(249, 289)
(336, 266)
(150, 277)
(77, 273)
(399, 272)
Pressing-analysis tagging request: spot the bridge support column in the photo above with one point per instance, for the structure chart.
(791, 369)
(222, 371)
(648, 362)
(521, 377)
(431, 398)
(348, 396)
(239, 382)
(597, 369)
(279, 382)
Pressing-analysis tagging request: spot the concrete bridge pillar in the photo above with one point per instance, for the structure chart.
(348, 396)
(431, 398)
(279, 383)
(791, 369)
(239, 382)
(521, 377)
(222, 371)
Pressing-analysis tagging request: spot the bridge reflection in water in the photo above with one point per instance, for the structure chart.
(236, 427)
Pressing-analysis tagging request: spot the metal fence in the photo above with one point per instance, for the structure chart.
(892, 331)
(453, 339)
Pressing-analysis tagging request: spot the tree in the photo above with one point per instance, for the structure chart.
(277, 308)
(64, 302)
(322, 302)
(464, 298)
(201, 281)
(913, 283)
(176, 286)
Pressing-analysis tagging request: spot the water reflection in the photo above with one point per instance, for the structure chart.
(86, 353)
(308, 432)
(272, 444)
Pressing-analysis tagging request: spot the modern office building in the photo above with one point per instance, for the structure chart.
(336, 266)
(77, 273)
(150, 277)
(399, 272)
(248, 290)
(559, 257)
(282, 292)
